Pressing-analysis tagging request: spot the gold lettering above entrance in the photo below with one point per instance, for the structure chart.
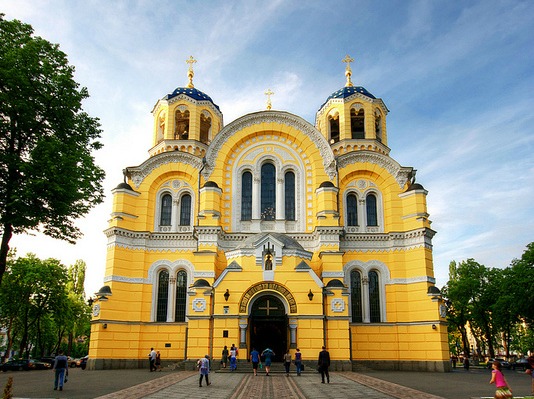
(267, 286)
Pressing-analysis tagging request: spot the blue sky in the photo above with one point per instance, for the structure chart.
(457, 76)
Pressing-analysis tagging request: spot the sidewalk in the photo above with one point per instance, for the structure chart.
(131, 384)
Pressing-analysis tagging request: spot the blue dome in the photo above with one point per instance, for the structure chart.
(347, 92)
(193, 93)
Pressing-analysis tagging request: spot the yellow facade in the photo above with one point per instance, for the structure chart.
(270, 232)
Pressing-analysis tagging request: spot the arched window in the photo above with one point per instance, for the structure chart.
(372, 215)
(357, 124)
(246, 196)
(181, 296)
(352, 210)
(185, 210)
(181, 125)
(374, 298)
(356, 296)
(205, 126)
(289, 181)
(163, 294)
(334, 129)
(378, 126)
(166, 210)
(268, 192)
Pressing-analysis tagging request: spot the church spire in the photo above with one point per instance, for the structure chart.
(348, 71)
(190, 72)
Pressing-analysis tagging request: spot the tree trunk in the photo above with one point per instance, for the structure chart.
(4, 248)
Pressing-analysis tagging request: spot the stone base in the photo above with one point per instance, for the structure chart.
(400, 365)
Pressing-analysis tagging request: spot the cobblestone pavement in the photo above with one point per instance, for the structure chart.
(279, 386)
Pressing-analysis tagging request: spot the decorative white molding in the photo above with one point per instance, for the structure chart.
(337, 305)
(400, 173)
(199, 304)
(271, 117)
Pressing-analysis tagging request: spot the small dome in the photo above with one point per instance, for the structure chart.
(327, 184)
(193, 93)
(104, 291)
(211, 184)
(433, 290)
(335, 283)
(415, 186)
(124, 186)
(201, 283)
(348, 91)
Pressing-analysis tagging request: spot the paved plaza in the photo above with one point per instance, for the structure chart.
(132, 384)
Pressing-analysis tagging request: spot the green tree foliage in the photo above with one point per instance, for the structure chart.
(34, 290)
(495, 304)
(48, 177)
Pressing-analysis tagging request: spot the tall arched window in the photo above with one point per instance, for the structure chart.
(357, 124)
(246, 196)
(356, 296)
(372, 215)
(334, 128)
(205, 126)
(181, 125)
(289, 180)
(163, 294)
(352, 210)
(268, 192)
(181, 296)
(166, 210)
(378, 126)
(374, 297)
(185, 210)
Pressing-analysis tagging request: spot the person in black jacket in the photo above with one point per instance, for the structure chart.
(323, 365)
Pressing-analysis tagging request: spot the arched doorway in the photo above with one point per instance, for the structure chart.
(269, 326)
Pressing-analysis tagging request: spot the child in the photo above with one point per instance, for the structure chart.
(503, 390)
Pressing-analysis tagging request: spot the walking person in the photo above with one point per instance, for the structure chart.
(255, 359)
(298, 361)
(233, 358)
(224, 356)
(157, 364)
(503, 389)
(268, 354)
(152, 359)
(323, 364)
(60, 367)
(204, 370)
(287, 361)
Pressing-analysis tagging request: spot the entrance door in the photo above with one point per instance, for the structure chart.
(268, 326)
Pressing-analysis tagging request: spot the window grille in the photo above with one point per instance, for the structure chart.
(290, 195)
(185, 210)
(268, 192)
(166, 210)
(163, 293)
(246, 196)
(181, 296)
(372, 217)
(374, 297)
(352, 210)
(356, 296)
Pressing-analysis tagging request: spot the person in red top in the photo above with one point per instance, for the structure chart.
(503, 390)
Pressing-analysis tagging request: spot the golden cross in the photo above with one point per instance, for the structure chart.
(190, 72)
(348, 71)
(269, 93)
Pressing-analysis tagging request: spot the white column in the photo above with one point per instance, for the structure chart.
(256, 182)
(170, 299)
(365, 292)
(280, 200)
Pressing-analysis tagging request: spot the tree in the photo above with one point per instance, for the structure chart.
(48, 176)
(34, 292)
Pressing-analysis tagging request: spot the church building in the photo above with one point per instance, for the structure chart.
(271, 232)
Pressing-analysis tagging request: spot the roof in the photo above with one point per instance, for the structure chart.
(193, 93)
(348, 91)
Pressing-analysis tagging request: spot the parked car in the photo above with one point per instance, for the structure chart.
(83, 362)
(73, 362)
(504, 363)
(25, 364)
(521, 364)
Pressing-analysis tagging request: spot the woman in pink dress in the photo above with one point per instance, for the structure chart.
(503, 390)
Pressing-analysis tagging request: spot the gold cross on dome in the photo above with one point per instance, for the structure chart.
(269, 93)
(190, 72)
(348, 72)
